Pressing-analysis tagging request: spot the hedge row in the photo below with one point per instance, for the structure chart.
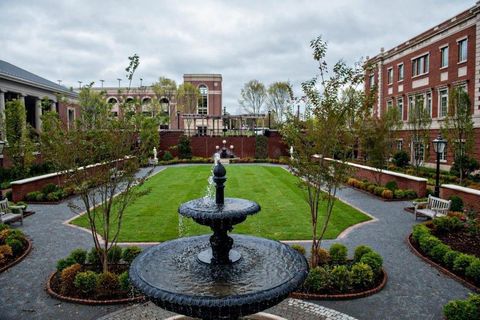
(389, 191)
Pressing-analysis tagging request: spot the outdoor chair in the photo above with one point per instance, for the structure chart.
(6, 214)
(433, 208)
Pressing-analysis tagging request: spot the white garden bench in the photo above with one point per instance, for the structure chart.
(6, 214)
(433, 208)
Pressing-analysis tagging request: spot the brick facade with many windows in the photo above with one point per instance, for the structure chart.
(428, 66)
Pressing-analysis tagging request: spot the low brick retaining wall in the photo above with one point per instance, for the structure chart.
(404, 181)
(20, 188)
(470, 197)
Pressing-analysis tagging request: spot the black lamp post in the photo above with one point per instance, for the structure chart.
(178, 120)
(269, 118)
(439, 145)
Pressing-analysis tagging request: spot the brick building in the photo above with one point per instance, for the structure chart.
(206, 120)
(429, 65)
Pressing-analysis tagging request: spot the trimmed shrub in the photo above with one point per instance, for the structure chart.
(411, 194)
(49, 188)
(130, 253)
(473, 271)
(114, 254)
(338, 253)
(462, 262)
(86, 281)
(124, 281)
(387, 194)
(391, 185)
(3, 227)
(15, 244)
(438, 252)
(378, 190)
(107, 282)
(340, 277)
(362, 275)
(475, 300)
(427, 243)
(6, 250)
(298, 248)
(399, 194)
(371, 188)
(261, 147)
(4, 235)
(32, 196)
(94, 257)
(449, 258)
(457, 203)
(79, 256)
(374, 260)
(460, 310)
(419, 231)
(167, 156)
(40, 197)
(317, 280)
(400, 159)
(65, 263)
(360, 251)
(68, 277)
(323, 256)
(184, 148)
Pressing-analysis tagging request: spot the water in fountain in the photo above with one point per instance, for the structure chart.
(209, 197)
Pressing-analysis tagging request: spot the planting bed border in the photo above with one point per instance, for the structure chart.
(90, 302)
(342, 296)
(20, 258)
(378, 197)
(440, 268)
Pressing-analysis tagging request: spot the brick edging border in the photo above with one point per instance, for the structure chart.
(439, 267)
(24, 254)
(90, 302)
(342, 296)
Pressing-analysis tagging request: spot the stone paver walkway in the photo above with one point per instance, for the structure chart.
(414, 289)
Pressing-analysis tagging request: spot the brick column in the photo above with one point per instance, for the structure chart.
(53, 106)
(21, 98)
(476, 95)
(38, 114)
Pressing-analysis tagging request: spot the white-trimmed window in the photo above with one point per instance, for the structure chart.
(389, 104)
(70, 118)
(400, 72)
(442, 103)
(399, 143)
(372, 81)
(421, 65)
(203, 100)
(444, 57)
(411, 105)
(462, 50)
(428, 103)
(443, 155)
(400, 107)
(390, 75)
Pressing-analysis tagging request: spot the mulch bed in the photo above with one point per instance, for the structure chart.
(117, 297)
(378, 286)
(418, 252)
(461, 241)
(10, 262)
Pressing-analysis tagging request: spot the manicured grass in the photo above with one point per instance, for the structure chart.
(284, 215)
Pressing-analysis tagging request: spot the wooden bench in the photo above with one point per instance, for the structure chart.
(6, 214)
(433, 208)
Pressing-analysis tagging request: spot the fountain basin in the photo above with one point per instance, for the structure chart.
(173, 278)
(232, 212)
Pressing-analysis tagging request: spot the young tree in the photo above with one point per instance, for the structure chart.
(253, 96)
(458, 129)
(187, 100)
(165, 88)
(419, 122)
(324, 135)
(280, 95)
(20, 146)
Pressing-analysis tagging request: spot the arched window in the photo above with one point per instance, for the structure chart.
(146, 100)
(129, 100)
(203, 100)
(164, 106)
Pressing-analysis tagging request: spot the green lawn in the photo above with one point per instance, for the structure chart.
(284, 215)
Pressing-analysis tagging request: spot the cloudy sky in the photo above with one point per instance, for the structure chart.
(243, 40)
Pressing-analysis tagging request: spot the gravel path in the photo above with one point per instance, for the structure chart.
(414, 289)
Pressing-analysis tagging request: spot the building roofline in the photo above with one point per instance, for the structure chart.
(431, 32)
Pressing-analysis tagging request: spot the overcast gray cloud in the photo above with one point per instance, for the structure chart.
(242, 40)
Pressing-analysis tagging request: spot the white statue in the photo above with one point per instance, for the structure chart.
(155, 154)
(291, 152)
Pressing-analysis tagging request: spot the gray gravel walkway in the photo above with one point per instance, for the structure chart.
(414, 290)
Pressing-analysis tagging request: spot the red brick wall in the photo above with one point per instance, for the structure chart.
(19, 191)
(204, 146)
(470, 200)
(63, 113)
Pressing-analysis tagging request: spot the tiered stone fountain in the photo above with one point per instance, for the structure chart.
(221, 276)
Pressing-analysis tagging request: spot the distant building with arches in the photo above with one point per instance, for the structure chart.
(207, 120)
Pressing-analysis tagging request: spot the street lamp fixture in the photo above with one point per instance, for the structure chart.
(439, 145)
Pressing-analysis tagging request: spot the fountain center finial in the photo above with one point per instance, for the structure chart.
(219, 177)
